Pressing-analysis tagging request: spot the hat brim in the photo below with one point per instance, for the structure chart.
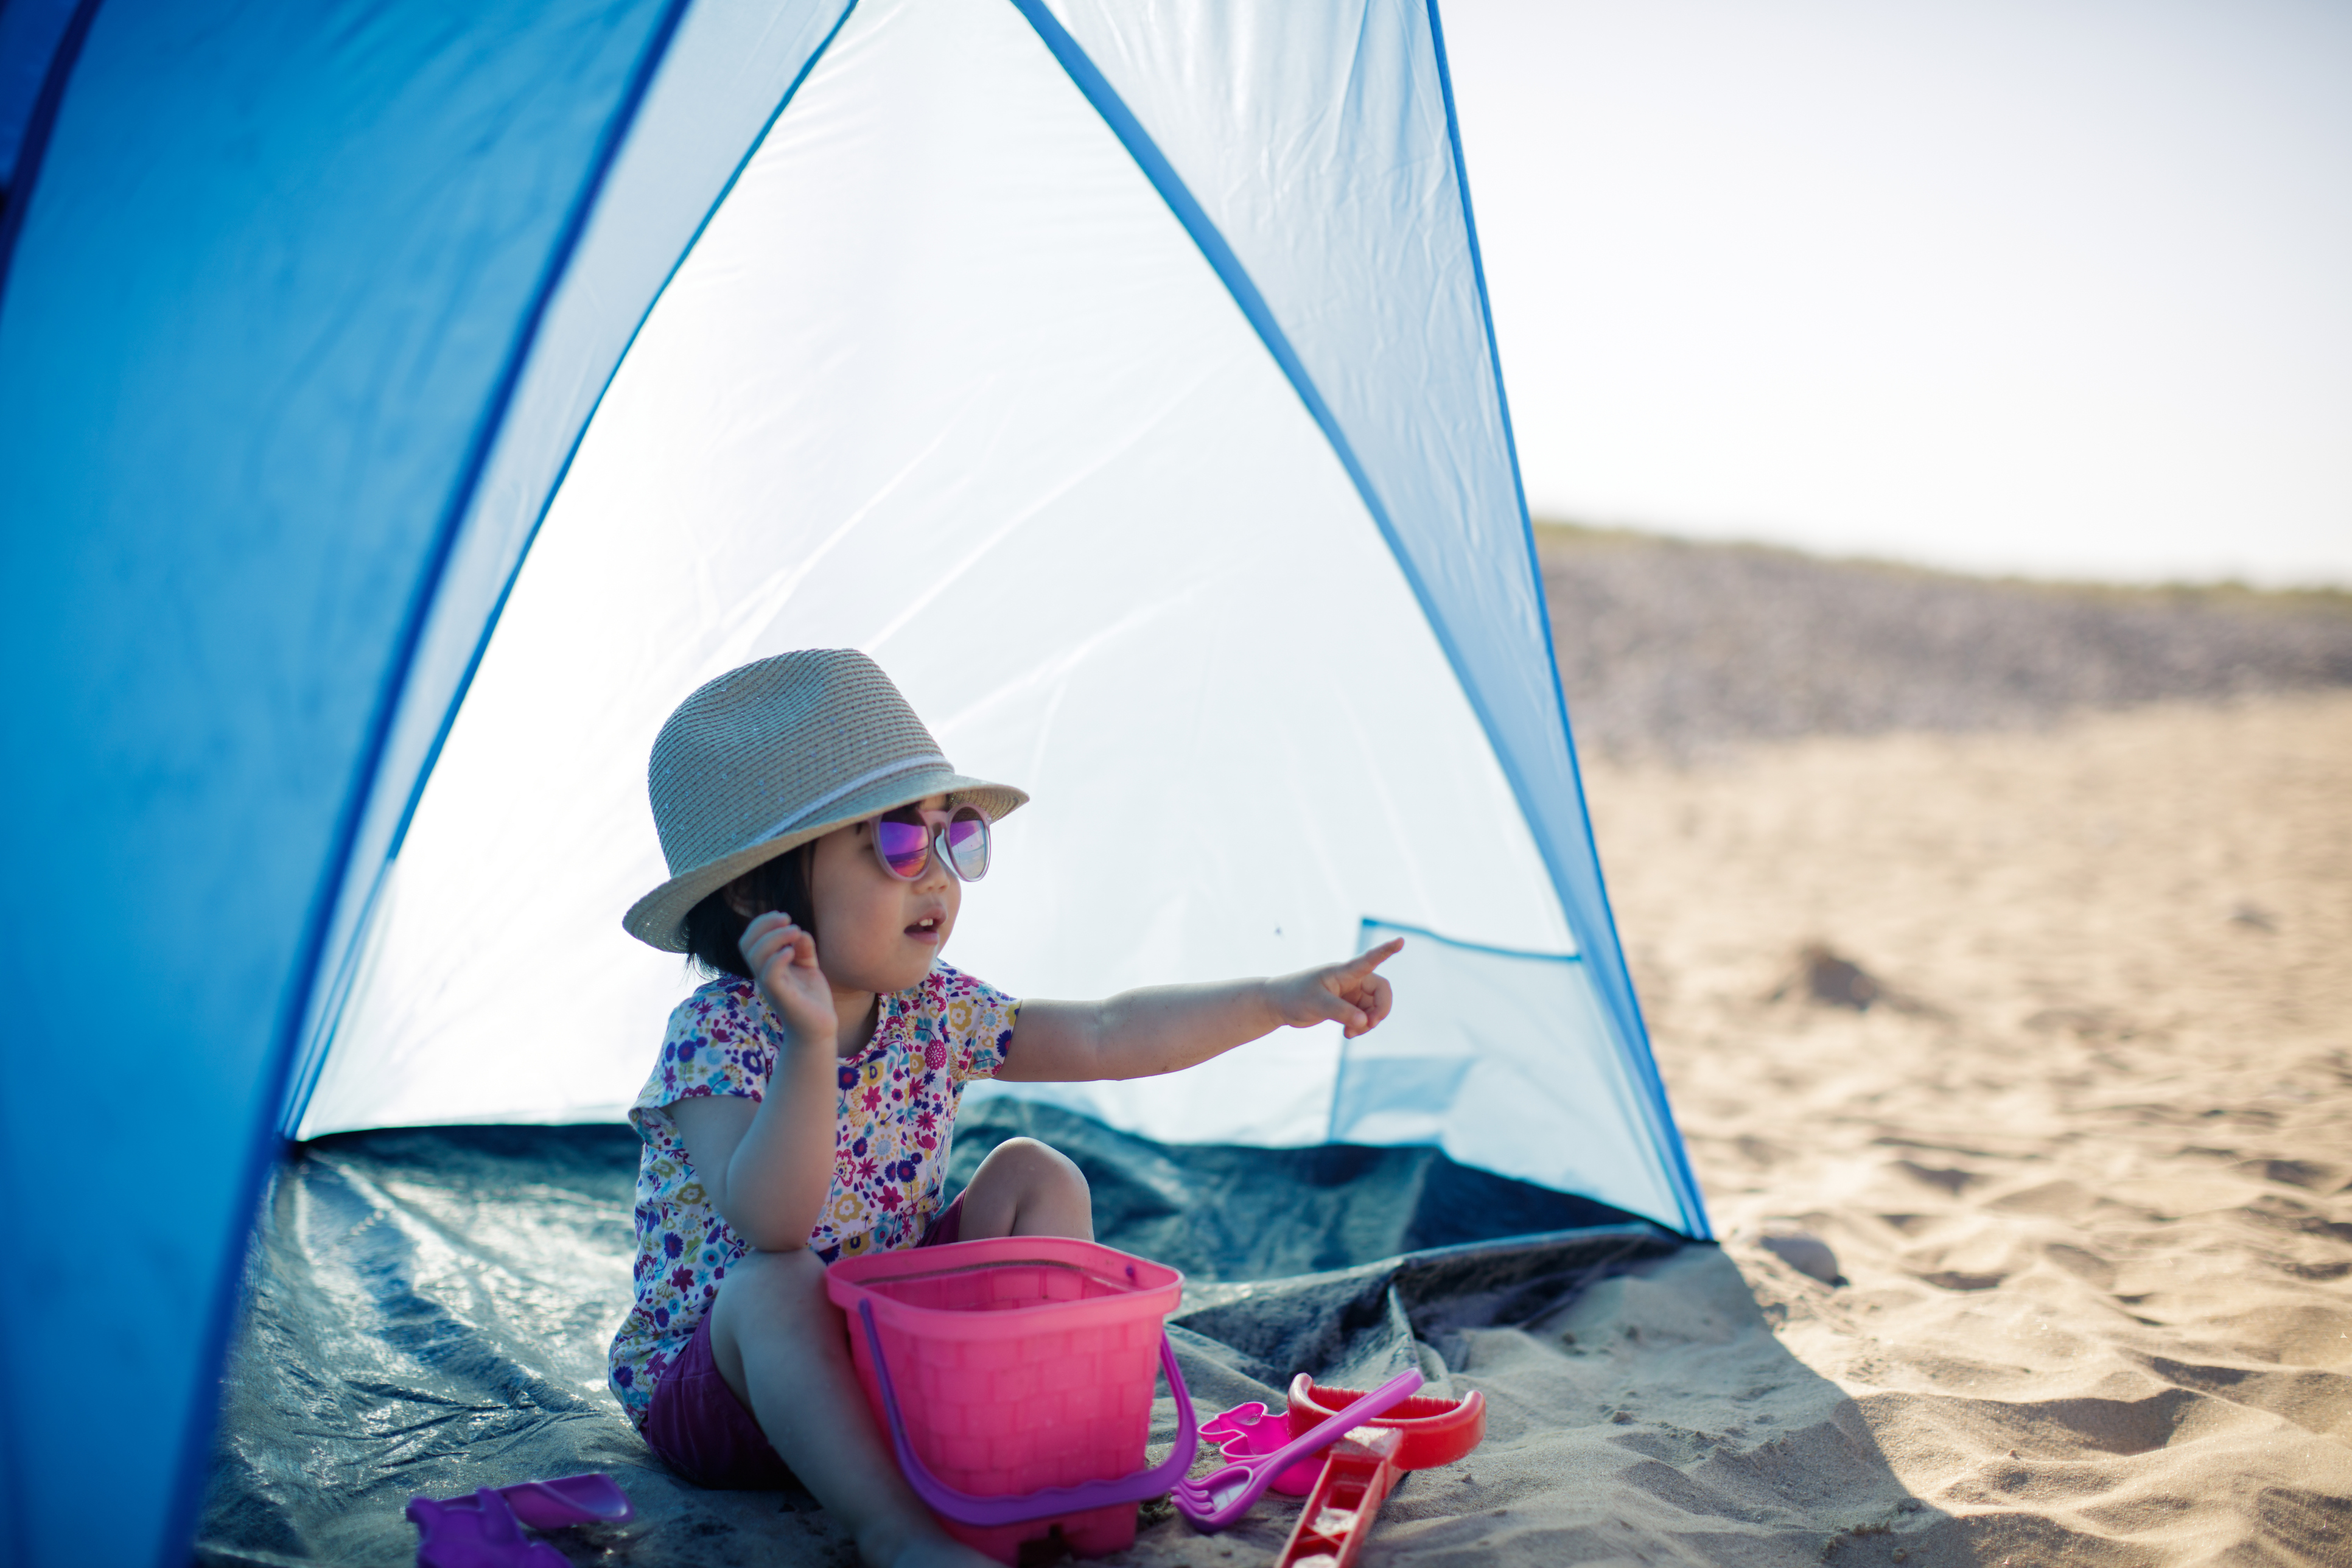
(658, 919)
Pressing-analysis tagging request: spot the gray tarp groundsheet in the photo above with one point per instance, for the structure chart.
(428, 1310)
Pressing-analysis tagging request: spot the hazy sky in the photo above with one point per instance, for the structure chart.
(2062, 287)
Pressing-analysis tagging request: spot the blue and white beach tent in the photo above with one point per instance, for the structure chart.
(406, 404)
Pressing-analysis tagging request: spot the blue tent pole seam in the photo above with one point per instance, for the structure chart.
(316, 1050)
(1189, 213)
(482, 646)
(1213, 247)
(311, 1059)
(1368, 921)
(34, 149)
(265, 1144)
(1686, 1182)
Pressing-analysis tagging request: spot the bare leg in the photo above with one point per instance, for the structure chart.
(778, 1342)
(1027, 1188)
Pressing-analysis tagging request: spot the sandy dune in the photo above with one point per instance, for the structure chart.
(1672, 647)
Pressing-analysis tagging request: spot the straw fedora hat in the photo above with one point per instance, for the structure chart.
(775, 753)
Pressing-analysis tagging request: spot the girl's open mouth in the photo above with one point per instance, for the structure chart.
(925, 929)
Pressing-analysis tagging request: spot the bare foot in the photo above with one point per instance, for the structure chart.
(925, 1548)
(942, 1552)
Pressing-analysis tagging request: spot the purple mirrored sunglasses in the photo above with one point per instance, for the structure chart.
(903, 840)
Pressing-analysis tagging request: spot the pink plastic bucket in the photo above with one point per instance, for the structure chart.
(1020, 1365)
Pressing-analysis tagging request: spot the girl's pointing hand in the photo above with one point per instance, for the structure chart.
(782, 958)
(1352, 993)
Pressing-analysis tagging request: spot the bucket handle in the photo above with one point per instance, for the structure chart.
(1047, 1502)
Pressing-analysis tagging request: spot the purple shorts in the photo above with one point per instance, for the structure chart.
(698, 1428)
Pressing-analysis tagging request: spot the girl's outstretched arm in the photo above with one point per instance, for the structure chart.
(1139, 1034)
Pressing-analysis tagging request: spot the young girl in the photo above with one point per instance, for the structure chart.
(804, 1098)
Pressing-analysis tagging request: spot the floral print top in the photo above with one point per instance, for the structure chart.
(894, 1121)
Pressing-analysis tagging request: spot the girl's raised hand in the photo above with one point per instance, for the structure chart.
(782, 959)
(1352, 993)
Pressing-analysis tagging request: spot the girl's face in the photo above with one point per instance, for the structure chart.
(879, 934)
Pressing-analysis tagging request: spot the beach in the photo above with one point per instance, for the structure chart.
(1996, 945)
(2084, 1159)
(1992, 940)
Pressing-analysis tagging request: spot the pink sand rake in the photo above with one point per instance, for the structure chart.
(1224, 1494)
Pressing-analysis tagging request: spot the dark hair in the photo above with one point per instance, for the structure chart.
(714, 931)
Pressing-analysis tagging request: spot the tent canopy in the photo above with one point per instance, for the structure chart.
(410, 405)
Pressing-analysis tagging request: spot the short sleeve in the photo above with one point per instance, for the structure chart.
(979, 1027)
(719, 1042)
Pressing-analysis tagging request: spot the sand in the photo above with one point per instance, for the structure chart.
(2087, 1174)
(2083, 1166)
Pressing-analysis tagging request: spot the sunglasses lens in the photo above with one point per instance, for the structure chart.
(966, 843)
(905, 844)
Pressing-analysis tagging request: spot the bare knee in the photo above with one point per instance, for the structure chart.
(769, 1296)
(784, 1276)
(1028, 1188)
(1028, 1159)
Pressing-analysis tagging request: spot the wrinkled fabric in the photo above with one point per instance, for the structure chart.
(428, 1309)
